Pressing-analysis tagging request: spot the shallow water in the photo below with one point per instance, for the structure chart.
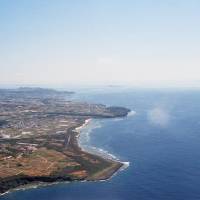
(161, 142)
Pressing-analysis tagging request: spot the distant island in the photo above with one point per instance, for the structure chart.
(38, 138)
(33, 92)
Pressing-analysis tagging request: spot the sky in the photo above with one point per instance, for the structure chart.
(99, 41)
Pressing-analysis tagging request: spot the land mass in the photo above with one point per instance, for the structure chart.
(38, 138)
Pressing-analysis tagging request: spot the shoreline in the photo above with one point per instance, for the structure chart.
(100, 152)
(97, 151)
(102, 175)
(106, 173)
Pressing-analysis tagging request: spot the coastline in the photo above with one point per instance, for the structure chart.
(106, 173)
(101, 153)
(97, 152)
(103, 175)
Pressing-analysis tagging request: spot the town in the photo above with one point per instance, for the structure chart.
(38, 138)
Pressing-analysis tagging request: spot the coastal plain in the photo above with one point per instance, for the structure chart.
(38, 138)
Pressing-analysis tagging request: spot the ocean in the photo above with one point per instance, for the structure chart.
(160, 140)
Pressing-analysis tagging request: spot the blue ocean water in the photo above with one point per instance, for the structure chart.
(161, 141)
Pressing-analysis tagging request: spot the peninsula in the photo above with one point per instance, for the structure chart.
(38, 138)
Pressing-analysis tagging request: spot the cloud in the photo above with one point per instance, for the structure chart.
(158, 116)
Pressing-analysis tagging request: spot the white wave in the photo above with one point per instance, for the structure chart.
(104, 153)
(117, 119)
(132, 113)
(87, 130)
(125, 165)
(84, 142)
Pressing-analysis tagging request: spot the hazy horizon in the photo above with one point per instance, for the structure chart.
(140, 43)
(109, 86)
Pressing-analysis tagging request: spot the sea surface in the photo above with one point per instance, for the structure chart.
(160, 139)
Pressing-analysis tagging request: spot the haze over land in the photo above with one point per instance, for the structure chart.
(134, 42)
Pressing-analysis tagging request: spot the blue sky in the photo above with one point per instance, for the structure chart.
(99, 41)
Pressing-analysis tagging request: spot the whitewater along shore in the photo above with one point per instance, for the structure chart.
(106, 173)
(58, 157)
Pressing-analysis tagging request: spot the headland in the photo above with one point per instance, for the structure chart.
(38, 139)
